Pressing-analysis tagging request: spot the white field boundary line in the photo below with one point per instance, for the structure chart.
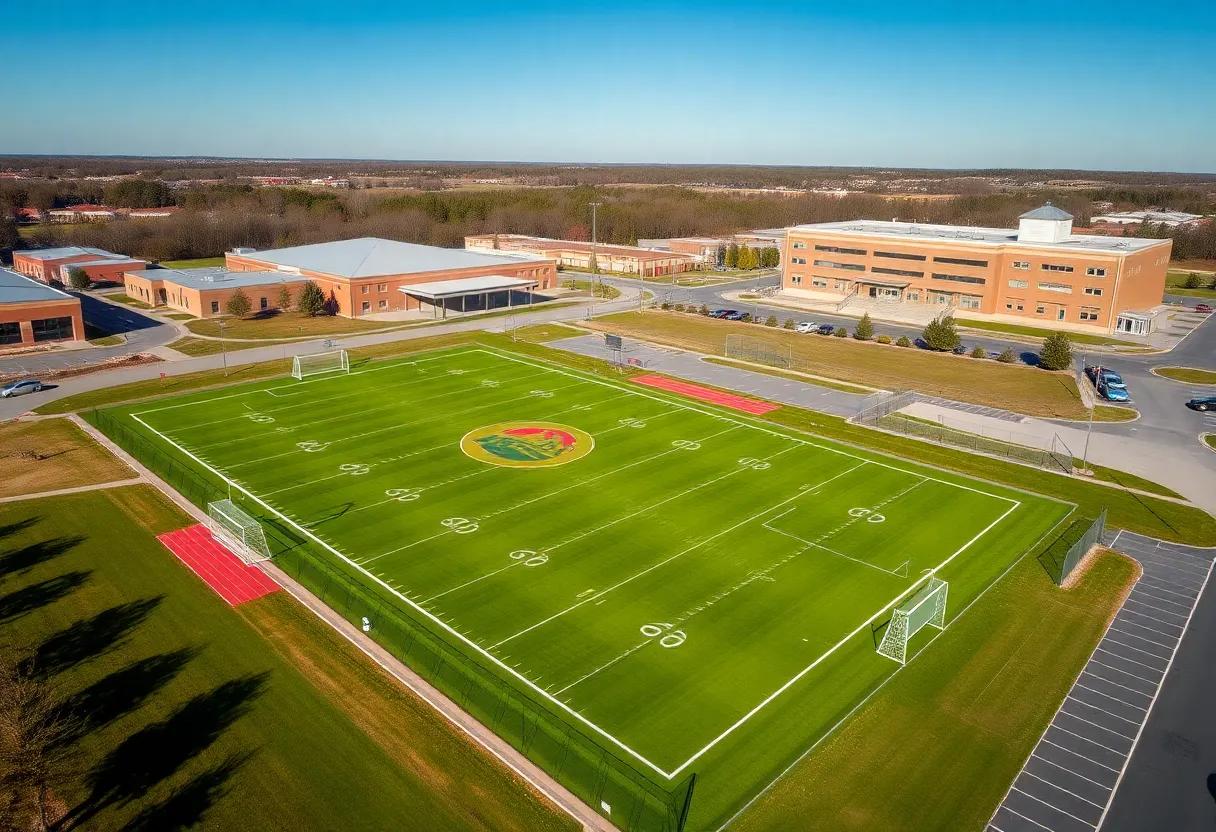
(1153, 702)
(754, 426)
(886, 681)
(557, 703)
(405, 361)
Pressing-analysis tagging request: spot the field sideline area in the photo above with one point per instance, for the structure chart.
(696, 590)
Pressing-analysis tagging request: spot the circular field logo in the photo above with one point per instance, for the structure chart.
(527, 444)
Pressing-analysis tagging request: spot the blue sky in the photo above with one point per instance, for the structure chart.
(1094, 85)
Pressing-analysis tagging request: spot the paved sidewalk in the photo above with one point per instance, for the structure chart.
(59, 492)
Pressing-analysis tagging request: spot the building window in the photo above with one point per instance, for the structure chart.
(819, 282)
(215, 307)
(367, 290)
(10, 333)
(969, 302)
(1095, 272)
(1089, 314)
(1054, 267)
(900, 272)
(914, 296)
(799, 245)
(1021, 265)
(899, 255)
(262, 304)
(831, 265)
(1093, 290)
(959, 261)
(801, 261)
(384, 304)
(1039, 310)
(842, 285)
(1062, 288)
(860, 252)
(367, 306)
(796, 279)
(52, 329)
(381, 287)
(1019, 284)
(959, 278)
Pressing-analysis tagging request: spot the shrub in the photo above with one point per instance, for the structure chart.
(771, 320)
(1056, 353)
(665, 305)
(312, 300)
(979, 352)
(903, 341)
(941, 333)
(865, 328)
(704, 310)
(679, 307)
(789, 324)
(747, 317)
(238, 304)
(1192, 281)
(1007, 356)
(78, 279)
(883, 339)
(841, 333)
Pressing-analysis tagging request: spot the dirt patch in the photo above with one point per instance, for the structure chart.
(50, 454)
(115, 363)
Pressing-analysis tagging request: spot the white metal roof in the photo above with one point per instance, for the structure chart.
(214, 277)
(374, 257)
(17, 288)
(69, 251)
(466, 286)
(991, 237)
(1046, 212)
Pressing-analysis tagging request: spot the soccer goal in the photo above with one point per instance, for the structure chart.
(238, 531)
(926, 608)
(321, 362)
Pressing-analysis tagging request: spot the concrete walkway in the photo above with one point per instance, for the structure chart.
(59, 492)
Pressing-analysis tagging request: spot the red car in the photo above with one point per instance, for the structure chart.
(1203, 307)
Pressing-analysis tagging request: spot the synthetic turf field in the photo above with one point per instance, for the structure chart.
(694, 572)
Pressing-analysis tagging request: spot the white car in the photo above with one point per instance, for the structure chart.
(806, 326)
(20, 388)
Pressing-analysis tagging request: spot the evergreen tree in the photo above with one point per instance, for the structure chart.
(312, 300)
(747, 257)
(78, 279)
(284, 298)
(865, 328)
(238, 304)
(1192, 281)
(941, 333)
(1006, 357)
(771, 320)
(1056, 353)
(979, 352)
(731, 260)
(903, 341)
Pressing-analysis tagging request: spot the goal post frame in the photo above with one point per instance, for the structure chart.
(926, 608)
(239, 532)
(334, 361)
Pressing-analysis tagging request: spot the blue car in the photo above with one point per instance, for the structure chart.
(1102, 375)
(733, 316)
(1113, 394)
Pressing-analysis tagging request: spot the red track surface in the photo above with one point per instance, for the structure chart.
(234, 580)
(707, 394)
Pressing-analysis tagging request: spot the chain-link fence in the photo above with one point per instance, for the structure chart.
(759, 351)
(1078, 550)
(608, 783)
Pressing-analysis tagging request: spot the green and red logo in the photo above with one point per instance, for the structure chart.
(527, 444)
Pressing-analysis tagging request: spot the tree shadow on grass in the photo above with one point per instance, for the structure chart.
(124, 691)
(19, 561)
(91, 637)
(189, 804)
(35, 596)
(9, 529)
(155, 753)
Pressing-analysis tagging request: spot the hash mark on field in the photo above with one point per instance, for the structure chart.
(605, 666)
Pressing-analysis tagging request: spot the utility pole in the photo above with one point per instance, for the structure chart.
(223, 348)
(595, 264)
(1089, 429)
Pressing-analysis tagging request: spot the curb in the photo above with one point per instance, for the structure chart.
(1153, 371)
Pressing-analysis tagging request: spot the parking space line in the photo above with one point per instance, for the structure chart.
(1145, 590)
(1115, 629)
(1120, 754)
(1112, 698)
(1061, 788)
(1137, 649)
(1161, 621)
(1035, 756)
(1102, 710)
(1049, 806)
(1078, 754)
(1116, 684)
(1023, 817)
(1131, 599)
(1126, 659)
(1162, 580)
(1188, 596)
(1098, 725)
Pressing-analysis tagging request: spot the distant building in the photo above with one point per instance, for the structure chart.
(609, 258)
(1040, 272)
(32, 313)
(1172, 219)
(51, 265)
(151, 213)
(82, 213)
(204, 292)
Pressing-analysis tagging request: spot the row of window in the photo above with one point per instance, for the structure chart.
(380, 287)
(1087, 313)
(382, 305)
(1021, 265)
(828, 264)
(860, 252)
(959, 278)
(900, 272)
(44, 329)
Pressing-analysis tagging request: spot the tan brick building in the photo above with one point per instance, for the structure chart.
(32, 313)
(51, 265)
(1040, 273)
(610, 259)
(205, 292)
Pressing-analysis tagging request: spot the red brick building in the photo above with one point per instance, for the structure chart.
(32, 313)
(50, 265)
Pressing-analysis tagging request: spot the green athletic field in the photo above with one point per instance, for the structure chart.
(697, 590)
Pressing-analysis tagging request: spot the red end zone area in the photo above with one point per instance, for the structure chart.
(234, 580)
(707, 394)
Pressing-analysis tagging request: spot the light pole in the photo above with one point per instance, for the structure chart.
(1089, 428)
(223, 348)
(595, 264)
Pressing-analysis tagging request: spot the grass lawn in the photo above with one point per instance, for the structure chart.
(179, 316)
(937, 748)
(50, 454)
(776, 373)
(198, 263)
(1041, 332)
(1190, 375)
(599, 290)
(1114, 413)
(203, 346)
(719, 527)
(540, 333)
(192, 717)
(1175, 283)
(1209, 439)
(283, 325)
(119, 297)
(1031, 391)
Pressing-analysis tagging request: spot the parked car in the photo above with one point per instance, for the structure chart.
(826, 329)
(721, 313)
(960, 350)
(806, 326)
(1103, 375)
(1204, 308)
(1203, 403)
(732, 315)
(20, 388)
(1113, 394)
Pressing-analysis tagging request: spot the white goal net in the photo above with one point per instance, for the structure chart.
(321, 362)
(927, 608)
(238, 531)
